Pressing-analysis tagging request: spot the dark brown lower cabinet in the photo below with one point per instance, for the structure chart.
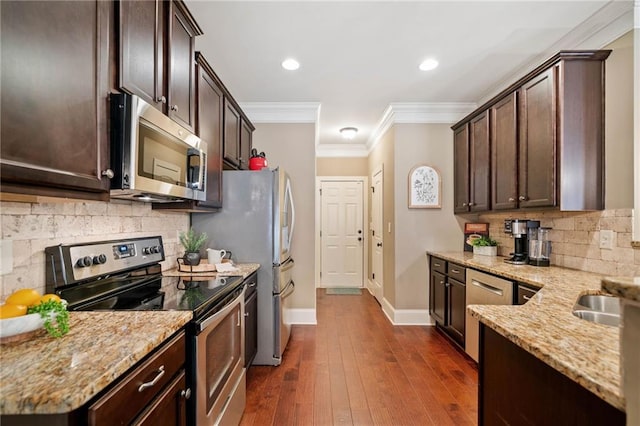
(438, 297)
(457, 306)
(516, 388)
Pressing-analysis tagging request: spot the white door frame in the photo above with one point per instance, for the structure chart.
(365, 221)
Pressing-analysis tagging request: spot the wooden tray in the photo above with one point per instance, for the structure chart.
(203, 266)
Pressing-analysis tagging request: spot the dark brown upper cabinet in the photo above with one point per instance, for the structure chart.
(157, 51)
(537, 172)
(471, 166)
(479, 177)
(246, 141)
(504, 153)
(461, 169)
(231, 134)
(55, 80)
(547, 137)
(143, 32)
(183, 30)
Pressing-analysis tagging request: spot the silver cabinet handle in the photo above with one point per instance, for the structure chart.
(154, 381)
(455, 271)
(246, 314)
(174, 108)
(471, 204)
(186, 393)
(526, 297)
(437, 265)
(464, 204)
(161, 99)
(522, 198)
(511, 199)
(108, 173)
(253, 284)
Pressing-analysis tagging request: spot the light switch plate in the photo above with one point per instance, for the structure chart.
(606, 239)
(6, 257)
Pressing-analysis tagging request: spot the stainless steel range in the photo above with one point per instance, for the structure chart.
(126, 275)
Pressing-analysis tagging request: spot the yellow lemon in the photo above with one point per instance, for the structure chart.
(25, 296)
(10, 311)
(49, 296)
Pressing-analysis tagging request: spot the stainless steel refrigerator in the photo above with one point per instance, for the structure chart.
(256, 224)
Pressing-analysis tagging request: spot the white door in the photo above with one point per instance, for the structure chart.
(376, 235)
(341, 233)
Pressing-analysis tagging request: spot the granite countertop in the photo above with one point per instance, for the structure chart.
(586, 352)
(45, 375)
(623, 287)
(244, 270)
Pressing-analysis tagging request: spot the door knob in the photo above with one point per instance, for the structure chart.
(379, 244)
(359, 231)
(522, 198)
(359, 238)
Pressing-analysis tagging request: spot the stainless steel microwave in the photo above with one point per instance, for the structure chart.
(153, 158)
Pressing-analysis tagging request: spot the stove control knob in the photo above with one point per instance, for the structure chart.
(146, 250)
(155, 249)
(100, 259)
(84, 261)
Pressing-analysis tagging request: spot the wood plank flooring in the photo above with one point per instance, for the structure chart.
(355, 368)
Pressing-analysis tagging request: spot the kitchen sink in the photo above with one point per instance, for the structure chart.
(598, 308)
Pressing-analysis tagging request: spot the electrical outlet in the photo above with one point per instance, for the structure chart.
(6, 257)
(606, 239)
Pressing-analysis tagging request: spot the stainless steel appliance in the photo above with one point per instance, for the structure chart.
(539, 246)
(519, 230)
(126, 275)
(483, 289)
(256, 223)
(153, 158)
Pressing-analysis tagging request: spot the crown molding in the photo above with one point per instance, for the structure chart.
(281, 112)
(418, 113)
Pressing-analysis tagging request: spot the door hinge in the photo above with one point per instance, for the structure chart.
(321, 233)
(373, 276)
(373, 189)
(320, 191)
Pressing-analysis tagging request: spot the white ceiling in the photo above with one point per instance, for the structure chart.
(358, 58)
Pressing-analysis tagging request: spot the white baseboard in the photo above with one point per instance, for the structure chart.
(303, 316)
(405, 316)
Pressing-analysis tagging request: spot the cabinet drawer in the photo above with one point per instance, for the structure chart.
(129, 397)
(457, 272)
(439, 265)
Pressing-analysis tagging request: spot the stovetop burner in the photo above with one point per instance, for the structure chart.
(126, 275)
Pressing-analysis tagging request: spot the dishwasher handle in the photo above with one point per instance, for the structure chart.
(487, 287)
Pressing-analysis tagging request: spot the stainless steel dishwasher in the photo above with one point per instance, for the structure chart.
(483, 289)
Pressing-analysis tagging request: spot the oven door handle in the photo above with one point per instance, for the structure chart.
(221, 313)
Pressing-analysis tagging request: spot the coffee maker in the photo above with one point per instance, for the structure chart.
(520, 229)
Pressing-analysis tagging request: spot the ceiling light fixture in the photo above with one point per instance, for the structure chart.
(290, 64)
(428, 64)
(348, 132)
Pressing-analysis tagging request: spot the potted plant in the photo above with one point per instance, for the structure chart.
(192, 244)
(485, 246)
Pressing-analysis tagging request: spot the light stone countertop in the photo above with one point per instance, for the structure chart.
(244, 270)
(45, 375)
(623, 287)
(586, 352)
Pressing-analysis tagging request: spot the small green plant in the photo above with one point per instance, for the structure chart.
(192, 242)
(484, 241)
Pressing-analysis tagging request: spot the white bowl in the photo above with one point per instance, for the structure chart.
(21, 324)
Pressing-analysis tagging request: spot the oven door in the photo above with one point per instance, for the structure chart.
(219, 365)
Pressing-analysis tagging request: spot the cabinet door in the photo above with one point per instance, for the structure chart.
(231, 138)
(438, 295)
(251, 329)
(170, 407)
(456, 312)
(181, 66)
(537, 173)
(209, 128)
(142, 54)
(55, 79)
(504, 154)
(461, 169)
(479, 163)
(246, 133)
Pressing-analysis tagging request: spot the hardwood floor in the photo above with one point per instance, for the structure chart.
(355, 368)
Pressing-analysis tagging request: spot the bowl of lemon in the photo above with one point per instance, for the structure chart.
(26, 310)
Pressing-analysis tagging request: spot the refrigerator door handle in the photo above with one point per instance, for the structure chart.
(293, 212)
(285, 292)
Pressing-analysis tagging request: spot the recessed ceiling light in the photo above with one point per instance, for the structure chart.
(428, 64)
(290, 64)
(348, 132)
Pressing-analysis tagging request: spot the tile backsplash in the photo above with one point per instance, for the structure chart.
(27, 228)
(576, 239)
